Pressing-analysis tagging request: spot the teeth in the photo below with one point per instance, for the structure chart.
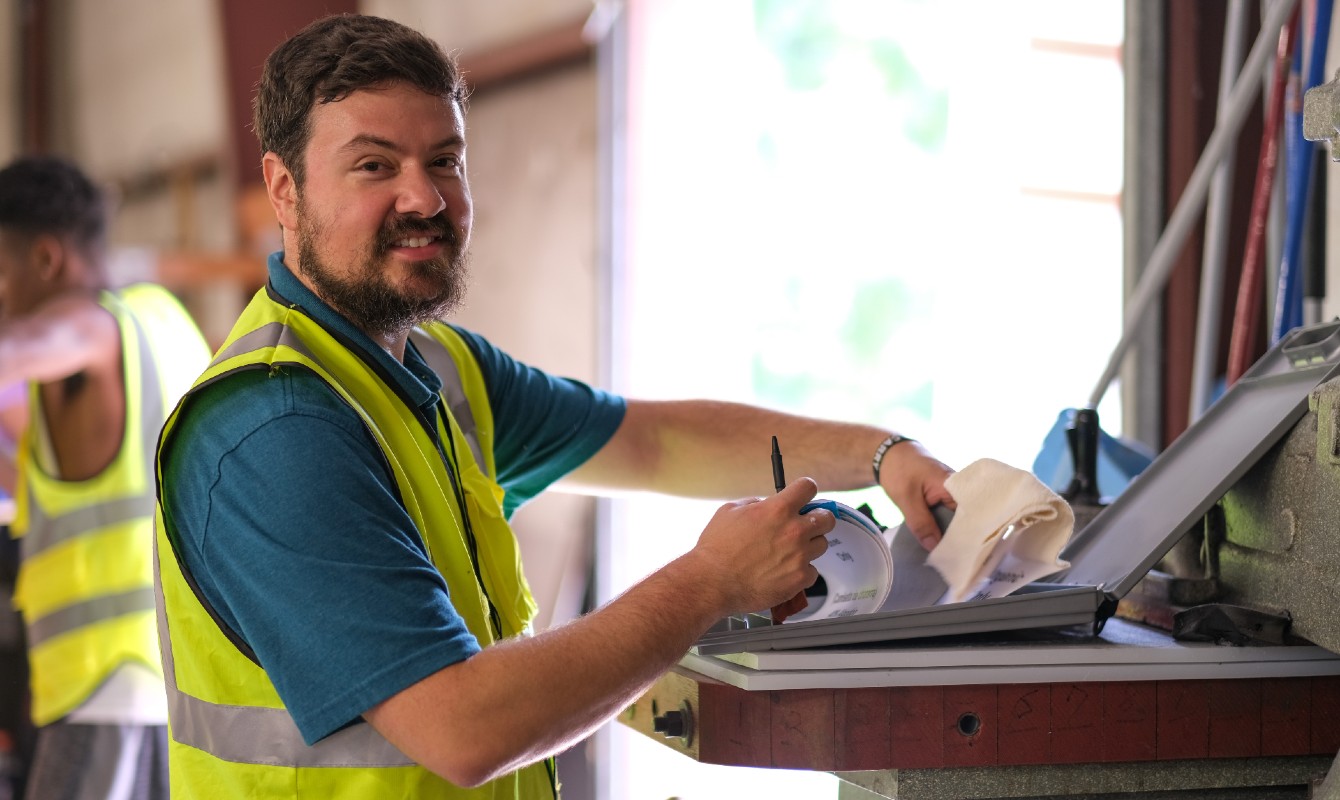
(416, 242)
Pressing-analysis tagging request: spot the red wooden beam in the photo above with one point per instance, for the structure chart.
(930, 727)
(251, 29)
(35, 79)
(547, 50)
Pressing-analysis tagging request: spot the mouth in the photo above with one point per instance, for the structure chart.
(417, 246)
(415, 241)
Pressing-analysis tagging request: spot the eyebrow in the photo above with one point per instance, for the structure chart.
(367, 139)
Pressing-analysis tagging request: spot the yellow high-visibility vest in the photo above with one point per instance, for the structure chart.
(85, 584)
(230, 735)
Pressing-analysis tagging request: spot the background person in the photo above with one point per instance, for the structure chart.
(101, 367)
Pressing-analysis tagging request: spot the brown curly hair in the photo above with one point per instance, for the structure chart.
(330, 59)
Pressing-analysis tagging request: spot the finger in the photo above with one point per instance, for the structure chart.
(817, 547)
(919, 520)
(821, 521)
(798, 492)
(941, 496)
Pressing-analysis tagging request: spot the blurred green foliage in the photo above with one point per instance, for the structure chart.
(877, 322)
(807, 37)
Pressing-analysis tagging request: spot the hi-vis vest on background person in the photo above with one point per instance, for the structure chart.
(85, 583)
(230, 733)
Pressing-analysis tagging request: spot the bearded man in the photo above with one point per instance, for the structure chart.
(344, 611)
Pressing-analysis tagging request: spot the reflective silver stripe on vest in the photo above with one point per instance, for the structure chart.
(98, 609)
(273, 334)
(55, 530)
(254, 735)
(439, 359)
(152, 412)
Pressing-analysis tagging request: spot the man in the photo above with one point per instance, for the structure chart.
(101, 369)
(344, 609)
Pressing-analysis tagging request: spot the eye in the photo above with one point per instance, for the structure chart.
(449, 161)
(371, 166)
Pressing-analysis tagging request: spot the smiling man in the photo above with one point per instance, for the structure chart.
(344, 612)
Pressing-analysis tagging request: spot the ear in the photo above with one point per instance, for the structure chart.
(282, 190)
(48, 256)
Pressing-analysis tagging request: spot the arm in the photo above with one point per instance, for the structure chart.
(13, 419)
(701, 448)
(539, 695)
(59, 339)
(357, 620)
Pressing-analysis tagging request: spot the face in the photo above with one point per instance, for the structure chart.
(383, 218)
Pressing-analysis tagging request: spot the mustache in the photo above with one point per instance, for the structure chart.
(408, 227)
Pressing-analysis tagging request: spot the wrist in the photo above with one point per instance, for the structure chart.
(711, 599)
(890, 441)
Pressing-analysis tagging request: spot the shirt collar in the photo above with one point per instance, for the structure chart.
(414, 377)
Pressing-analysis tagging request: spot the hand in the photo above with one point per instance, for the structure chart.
(757, 553)
(915, 481)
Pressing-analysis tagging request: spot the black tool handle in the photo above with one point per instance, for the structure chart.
(1083, 438)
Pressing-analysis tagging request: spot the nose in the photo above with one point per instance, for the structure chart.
(418, 194)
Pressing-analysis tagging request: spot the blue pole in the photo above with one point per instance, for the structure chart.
(1289, 297)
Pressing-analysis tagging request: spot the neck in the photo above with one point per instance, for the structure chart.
(393, 343)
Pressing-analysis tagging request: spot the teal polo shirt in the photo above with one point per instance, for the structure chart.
(287, 518)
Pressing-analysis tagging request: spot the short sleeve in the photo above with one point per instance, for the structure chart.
(288, 519)
(544, 426)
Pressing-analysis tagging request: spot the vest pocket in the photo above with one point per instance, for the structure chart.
(499, 555)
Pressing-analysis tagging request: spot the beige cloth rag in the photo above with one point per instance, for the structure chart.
(1008, 531)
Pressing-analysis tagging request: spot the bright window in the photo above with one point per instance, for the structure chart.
(891, 211)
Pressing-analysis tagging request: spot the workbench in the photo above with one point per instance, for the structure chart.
(1127, 712)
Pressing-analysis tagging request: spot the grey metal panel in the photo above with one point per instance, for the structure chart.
(1042, 608)
(1121, 544)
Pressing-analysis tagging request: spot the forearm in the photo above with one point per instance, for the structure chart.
(521, 700)
(57, 341)
(525, 699)
(703, 448)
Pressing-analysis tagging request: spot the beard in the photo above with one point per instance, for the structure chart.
(366, 297)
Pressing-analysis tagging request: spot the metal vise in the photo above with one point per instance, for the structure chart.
(1280, 546)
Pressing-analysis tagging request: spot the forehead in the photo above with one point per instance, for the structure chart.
(399, 113)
